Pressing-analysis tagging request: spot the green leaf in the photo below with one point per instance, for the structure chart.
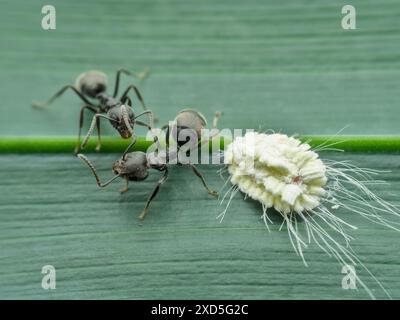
(285, 66)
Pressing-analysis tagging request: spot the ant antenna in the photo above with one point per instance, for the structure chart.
(93, 169)
(92, 125)
(125, 117)
(140, 75)
(89, 133)
(152, 119)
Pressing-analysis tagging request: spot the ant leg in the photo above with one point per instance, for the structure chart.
(81, 117)
(98, 134)
(198, 173)
(217, 116)
(141, 75)
(170, 154)
(143, 124)
(154, 193)
(149, 112)
(58, 94)
(92, 125)
(151, 117)
(138, 95)
(128, 101)
(126, 188)
(93, 169)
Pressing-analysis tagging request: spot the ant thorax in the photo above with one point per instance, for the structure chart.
(107, 102)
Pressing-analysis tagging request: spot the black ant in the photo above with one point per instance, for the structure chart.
(93, 85)
(134, 166)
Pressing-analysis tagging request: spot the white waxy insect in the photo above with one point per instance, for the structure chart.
(287, 175)
(277, 170)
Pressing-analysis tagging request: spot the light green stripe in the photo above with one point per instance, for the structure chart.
(109, 144)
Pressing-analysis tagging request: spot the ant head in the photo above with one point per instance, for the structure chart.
(133, 165)
(91, 83)
(118, 166)
(122, 120)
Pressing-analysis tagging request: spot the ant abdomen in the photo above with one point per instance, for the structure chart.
(91, 83)
(188, 125)
(191, 119)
